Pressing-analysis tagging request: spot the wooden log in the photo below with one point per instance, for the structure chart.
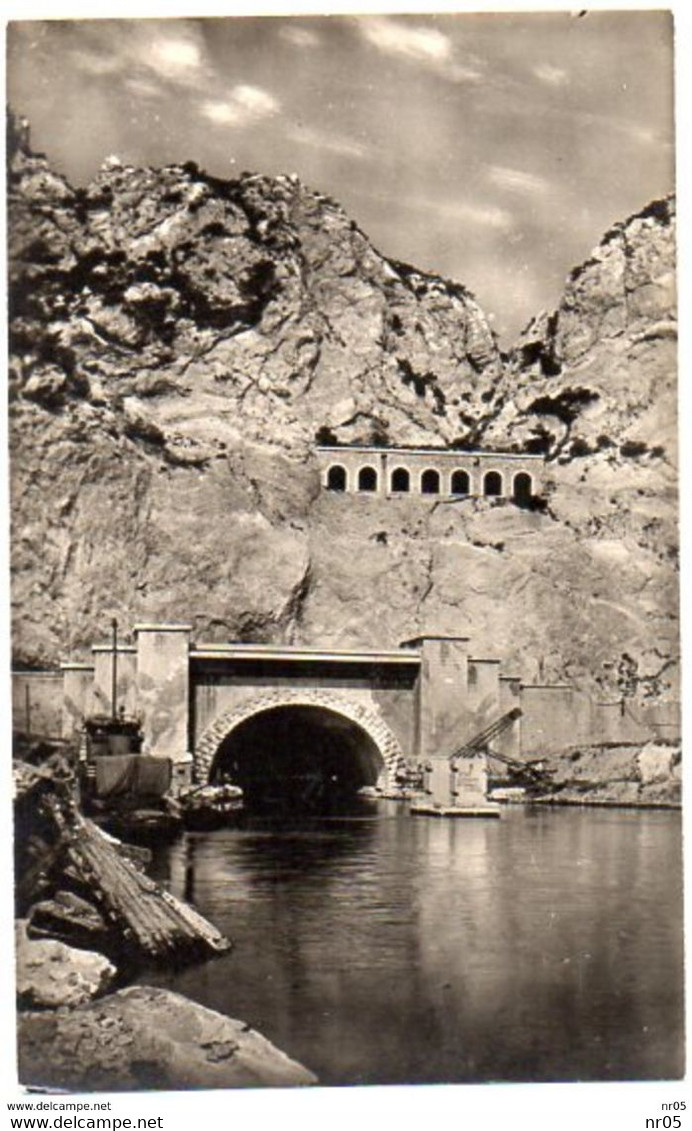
(158, 924)
(154, 924)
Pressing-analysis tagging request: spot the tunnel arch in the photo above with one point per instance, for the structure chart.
(430, 481)
(337, 478)
(493, 484)
(365, 718)
(367, 479)
(401, 480)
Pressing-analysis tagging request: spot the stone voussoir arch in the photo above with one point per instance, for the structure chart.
(363, 715)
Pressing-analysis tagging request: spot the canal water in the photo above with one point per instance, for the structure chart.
(382, 948)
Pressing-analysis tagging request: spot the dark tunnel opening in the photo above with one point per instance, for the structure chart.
(298, 758)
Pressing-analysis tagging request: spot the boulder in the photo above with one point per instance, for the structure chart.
(616, 775)
(50, 974)
(147, 1037)
(655, 763)
(69, 919)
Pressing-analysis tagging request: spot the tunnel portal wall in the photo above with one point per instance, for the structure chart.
(389, 694)
(356, 710)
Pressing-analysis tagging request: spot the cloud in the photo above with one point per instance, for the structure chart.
(300, 36)
(174, 58)
(244, 105)
(222, 113)
(642, 134)
(156, 57)
(425, 46)
(486, 215)
(94, 63)
(517, 180)
(143, 87)
(255, 100)
(328, 142)
(170, 52)
(458, 211)
(393, 38)
(646, 136)
(552, 76)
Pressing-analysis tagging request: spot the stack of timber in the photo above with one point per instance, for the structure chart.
(60, 852)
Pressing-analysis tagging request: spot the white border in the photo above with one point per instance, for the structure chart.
(572, 1107)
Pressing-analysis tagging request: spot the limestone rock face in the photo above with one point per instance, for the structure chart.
(594, 386)
(178, 344)
(626, 775)
(50, 974)
(198, 310)
(597, 376)
(145, 1037)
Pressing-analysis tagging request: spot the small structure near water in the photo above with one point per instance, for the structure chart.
(458, 789)
(122, 789)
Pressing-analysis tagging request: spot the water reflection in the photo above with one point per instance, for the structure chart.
(544, 946)
(234, 863)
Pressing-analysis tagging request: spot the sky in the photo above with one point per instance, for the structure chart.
(492, 148)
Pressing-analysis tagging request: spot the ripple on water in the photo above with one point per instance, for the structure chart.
(386, 949)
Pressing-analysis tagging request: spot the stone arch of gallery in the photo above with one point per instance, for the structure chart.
(336, 478)
(430, 482)
(522, 488)
(401, 480)
(367, 479)
(492, 483)
(297, 757)
(460, 484)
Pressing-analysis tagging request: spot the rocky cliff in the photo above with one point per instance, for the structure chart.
(178, 344)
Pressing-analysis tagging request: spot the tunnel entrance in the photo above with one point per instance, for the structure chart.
(298, 758)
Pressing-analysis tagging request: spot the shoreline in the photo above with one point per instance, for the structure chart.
(133, 1035)
(599, 803)
(89, 921)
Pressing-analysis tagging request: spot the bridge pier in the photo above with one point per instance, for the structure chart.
(443, 700)
(163, 694)
(103, 679)
(77, 693)
(451, 707)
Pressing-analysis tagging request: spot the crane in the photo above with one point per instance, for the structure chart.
(524, 773)
(481, 740)
(454, 788)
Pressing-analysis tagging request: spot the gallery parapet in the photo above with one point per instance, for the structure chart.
(446, 472)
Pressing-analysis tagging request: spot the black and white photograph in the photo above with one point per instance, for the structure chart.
(344, 553)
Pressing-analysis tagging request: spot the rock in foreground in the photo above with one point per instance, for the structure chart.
(145, 1037)
(50, 974)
